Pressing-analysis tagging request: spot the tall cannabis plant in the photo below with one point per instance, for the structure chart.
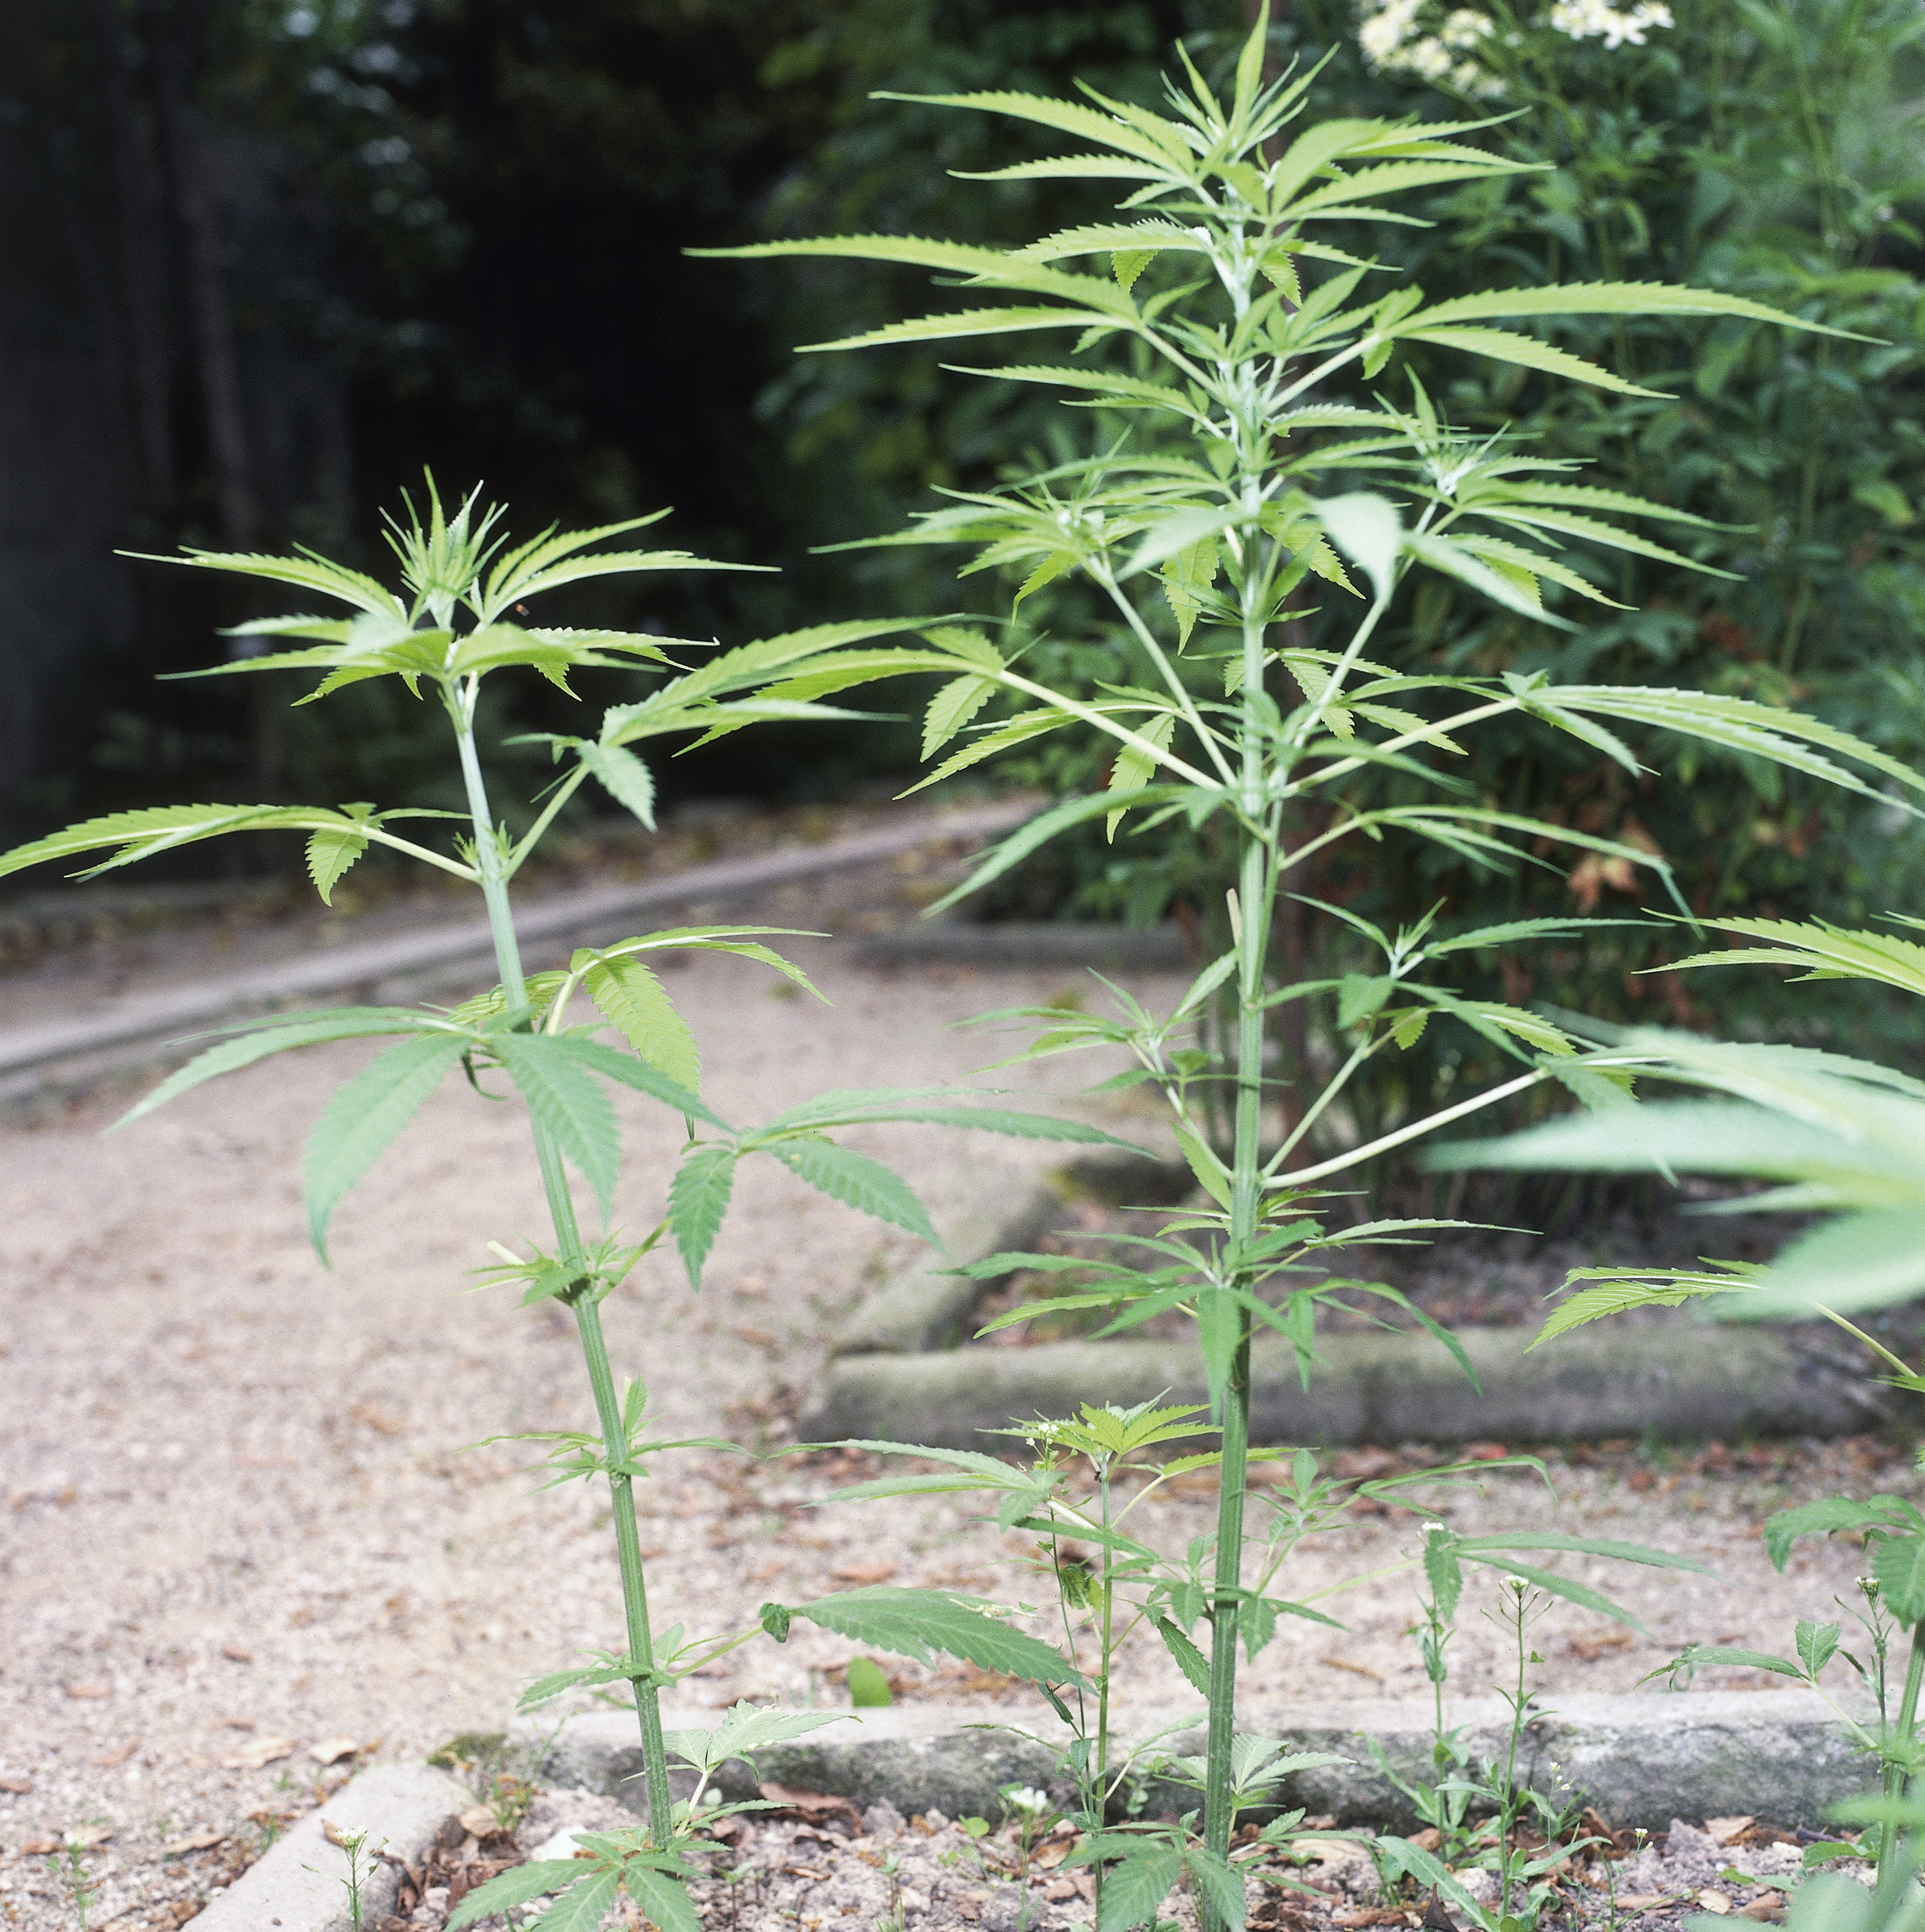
(1209, 325)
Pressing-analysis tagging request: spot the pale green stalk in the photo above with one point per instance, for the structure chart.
(491, 862)
(1897, 1774)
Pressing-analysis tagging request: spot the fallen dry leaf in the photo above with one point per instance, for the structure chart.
(1589, 1649)
(1649, 1901)
(18, 1786)
(478, 1820)
(810, 1805)
(90, 1691)
(182, 1909)
(1717, 1902)
(1724, 1830)
(194, 1841)
(378, 1420)
(256, 1756)
(235, 1653)
(113, 1760)
(1356, 1669)
(331, 1750)
(37, 1848)
(1058, 1889)
(88, 1836)
(864, 1572)
(238, 1723)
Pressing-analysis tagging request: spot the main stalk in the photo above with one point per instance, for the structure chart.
(582, 1299)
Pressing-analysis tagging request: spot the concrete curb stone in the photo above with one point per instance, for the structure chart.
(1681, 1383)
(404, 1809)
(1781, 1755)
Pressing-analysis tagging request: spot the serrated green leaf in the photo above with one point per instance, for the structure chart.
(951, 709)
(1899, 1566)
(568, 1104)
(364, 1116)
(280, 1035)
(585, 1904)
(515, 1886)
(864, 1184)
(163, 828)
(625, 778)
(632, 998)
(330, 854)
(1219, 1882)
(1134, 1889)
(1604, 299)
(916, 1623)
(662, 1900)
(1832, 1515)
(1501, 345)
(1190, 1660)
(697, 1198)
(746, 1728)
(642, 1076)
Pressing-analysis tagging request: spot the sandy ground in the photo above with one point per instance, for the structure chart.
(243, 1524)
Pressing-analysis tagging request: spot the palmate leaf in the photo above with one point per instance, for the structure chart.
(586, 1903)
(1134, 1889)
(698, 1197)
(1570, 298)
(516, 1886)
(1619, 1289)
(1499, 345)
(632, 997)
(664, 1900)
(847, 1176)
(1826, 952)
(310, 571)
(568, 1103)
(917, 1623)
(364, 1116)
(744, 1729)
(1069, 117)
(1736, 722)
(279, 1035)
(162, 828)
(1833, 1516)
(958, 324)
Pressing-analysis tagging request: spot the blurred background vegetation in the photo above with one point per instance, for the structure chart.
(269, 257)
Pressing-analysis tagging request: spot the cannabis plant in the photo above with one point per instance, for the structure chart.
(1206, 323)
(465, 586)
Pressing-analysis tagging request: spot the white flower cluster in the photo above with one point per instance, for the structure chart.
(1593, 20)
(1406, 36)
(1389, 37)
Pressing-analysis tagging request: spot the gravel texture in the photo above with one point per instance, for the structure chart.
(250, 1541)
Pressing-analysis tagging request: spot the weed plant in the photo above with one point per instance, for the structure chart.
(1225, 319)
(465, 586)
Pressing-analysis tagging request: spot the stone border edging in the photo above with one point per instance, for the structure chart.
(1692, 1383)
(895, 1371)
(588, 918)
(404, 1809)
(1780, 1756)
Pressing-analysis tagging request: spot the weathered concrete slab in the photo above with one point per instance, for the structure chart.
(1682, 1380)
(295, 1884)
(1642, 1760)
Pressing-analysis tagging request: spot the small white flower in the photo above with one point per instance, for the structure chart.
(1026, 1798)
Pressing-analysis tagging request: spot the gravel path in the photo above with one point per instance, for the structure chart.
(243, 1528)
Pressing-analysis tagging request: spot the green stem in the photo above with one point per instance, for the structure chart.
(492, 862)
(1897, 1771)
(1255, 889)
